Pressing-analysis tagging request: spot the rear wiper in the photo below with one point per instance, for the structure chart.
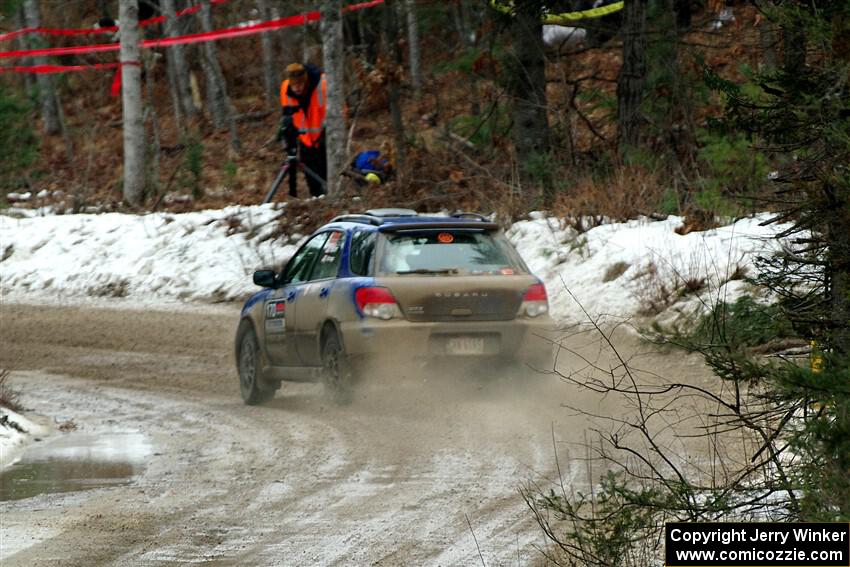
(427, 271)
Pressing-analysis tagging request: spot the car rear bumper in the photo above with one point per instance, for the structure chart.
(526, 341)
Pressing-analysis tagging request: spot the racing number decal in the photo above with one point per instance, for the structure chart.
(276, 316)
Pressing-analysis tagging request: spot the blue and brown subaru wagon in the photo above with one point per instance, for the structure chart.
(391, 283)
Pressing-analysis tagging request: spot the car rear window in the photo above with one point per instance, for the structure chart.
(448, 251)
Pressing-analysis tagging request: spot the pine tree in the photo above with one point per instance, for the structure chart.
(803, 114)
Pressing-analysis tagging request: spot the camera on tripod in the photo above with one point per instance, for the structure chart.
(288, 133)
(287, 130)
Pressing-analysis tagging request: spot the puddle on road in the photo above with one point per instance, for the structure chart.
(75, 461)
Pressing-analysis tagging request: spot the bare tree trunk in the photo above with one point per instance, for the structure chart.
(175, 95)
(63, 127)
(468, 41)
(270, 76)
(177, 64)
(527, 68)
(632, 73)
(216, 104)
(369, 35)
(289, 39)
(394, 56)
(768, 41)
(150, 112)
(414, 52)
(131, 98)
(46, 90)
(793, 47)
(21, 42)
(839, 275)
(677, 123)
(460, 24)
(334, 72)
(219, 103)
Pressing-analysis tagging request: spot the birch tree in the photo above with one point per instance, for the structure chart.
(331, 29)
(46, 91)
(218, 101)
(131, 99)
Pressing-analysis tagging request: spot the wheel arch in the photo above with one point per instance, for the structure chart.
(245, 324)
(330, 326)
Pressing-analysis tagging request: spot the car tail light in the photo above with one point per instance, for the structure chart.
(377, 302)
(535, 301)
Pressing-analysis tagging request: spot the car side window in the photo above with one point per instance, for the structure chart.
(361, 252)
(328, 263)
(299, 268)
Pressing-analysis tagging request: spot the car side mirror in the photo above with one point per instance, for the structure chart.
(265, 278)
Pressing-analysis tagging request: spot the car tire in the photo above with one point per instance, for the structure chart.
(250, 374)
(337, 373)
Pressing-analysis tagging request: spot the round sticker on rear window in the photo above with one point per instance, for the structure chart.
(446, 237)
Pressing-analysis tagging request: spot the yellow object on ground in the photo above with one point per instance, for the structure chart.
(816, 359)
(567, 16)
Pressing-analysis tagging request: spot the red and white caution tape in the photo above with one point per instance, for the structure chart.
(227, 33)
(92, 31)
(53, 69)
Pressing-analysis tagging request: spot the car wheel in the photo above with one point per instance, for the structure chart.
(250, 383)
(337, 373)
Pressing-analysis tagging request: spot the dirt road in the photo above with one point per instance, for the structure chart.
(405, 475)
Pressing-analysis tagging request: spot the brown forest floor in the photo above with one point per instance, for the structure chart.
(439, 172)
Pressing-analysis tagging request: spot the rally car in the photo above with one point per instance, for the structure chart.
(390, 282)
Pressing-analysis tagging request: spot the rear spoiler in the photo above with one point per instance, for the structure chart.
(475, 225)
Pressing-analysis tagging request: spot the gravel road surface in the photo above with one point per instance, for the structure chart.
(419, 470)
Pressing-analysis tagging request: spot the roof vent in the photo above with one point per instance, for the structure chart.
(392, 212)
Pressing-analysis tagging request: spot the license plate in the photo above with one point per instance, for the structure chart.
(465, 345)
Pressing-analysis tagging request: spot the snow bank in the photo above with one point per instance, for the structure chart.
(15, 434)
(620, 269)
(207, 255)
(625, 269)
(617, 269)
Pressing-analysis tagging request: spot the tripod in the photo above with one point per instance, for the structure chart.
(291, 166)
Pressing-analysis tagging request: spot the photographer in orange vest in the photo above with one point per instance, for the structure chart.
(304, 97)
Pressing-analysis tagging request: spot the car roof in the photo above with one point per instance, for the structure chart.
(390, 220)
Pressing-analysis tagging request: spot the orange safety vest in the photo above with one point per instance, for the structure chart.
(311, 125)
